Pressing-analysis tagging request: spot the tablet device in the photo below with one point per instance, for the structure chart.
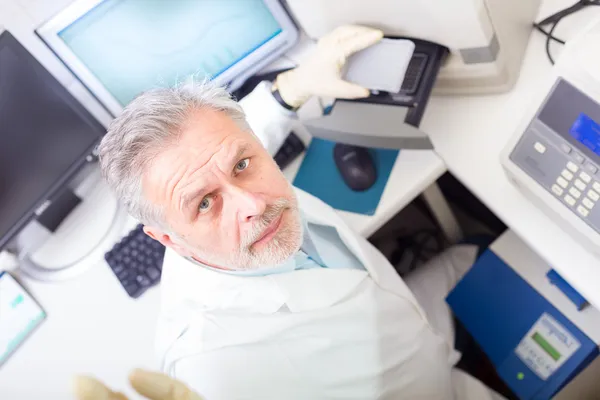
(20, 315)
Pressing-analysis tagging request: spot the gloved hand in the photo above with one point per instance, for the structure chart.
(320, 75)
(152, 385)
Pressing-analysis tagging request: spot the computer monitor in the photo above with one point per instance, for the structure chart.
(119, 48)
(45, 137)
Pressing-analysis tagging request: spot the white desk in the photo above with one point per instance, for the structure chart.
(469, 134)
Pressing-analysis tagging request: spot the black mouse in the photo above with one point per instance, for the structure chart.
(355, 165)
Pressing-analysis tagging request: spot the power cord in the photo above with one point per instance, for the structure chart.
(555, 18)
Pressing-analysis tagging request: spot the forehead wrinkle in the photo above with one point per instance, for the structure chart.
(185, 197)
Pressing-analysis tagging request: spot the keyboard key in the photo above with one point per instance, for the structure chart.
(124, 274)
(593, 195)
(574, 192)
(570, 201)
(583, 211)
(143, 280)
(579, 184)
(132, 289)
(562, 182)
(567, 174)
(565, 148)
(557, 190)
(540, 148)
(578, 158)
(591, 168)
(585, 177)
(588, 203)
(571, 166)
(153, 273)
(118, 268)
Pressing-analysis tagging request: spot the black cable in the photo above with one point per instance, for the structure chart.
(548, 42)
(539, 28)
(555, 18)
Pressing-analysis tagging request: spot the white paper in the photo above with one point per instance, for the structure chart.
(381, 66)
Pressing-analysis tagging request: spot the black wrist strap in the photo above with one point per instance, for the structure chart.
(280, 100)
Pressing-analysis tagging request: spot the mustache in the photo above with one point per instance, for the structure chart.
(271, 213)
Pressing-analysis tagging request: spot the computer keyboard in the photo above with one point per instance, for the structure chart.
(136, 261)
(291, 148)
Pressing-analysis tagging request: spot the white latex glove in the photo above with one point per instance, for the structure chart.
(152, 385)
(320, 75)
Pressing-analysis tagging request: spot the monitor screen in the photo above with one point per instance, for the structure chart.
(587, 132)
(131, 45)
(45, 135)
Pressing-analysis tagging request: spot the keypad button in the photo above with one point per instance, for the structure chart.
(574, 192)
(585, 177)
(593, 195)
(569, 200)
(591, 168)
(540, 148)
(557, 190)
(565, 148)
(579, 185)
(567, 174)
(132, 289)
(562, 182)
(153, 273)
(578, 158)
(596, 186)
(588, 203)
(571, 166)
(583, 211)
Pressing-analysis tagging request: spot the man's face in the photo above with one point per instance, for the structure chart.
(225, 200)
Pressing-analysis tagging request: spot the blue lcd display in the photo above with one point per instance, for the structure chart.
(587, 131)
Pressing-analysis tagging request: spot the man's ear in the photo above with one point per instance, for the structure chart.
(165, 239)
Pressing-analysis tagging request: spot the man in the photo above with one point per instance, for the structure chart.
(267, 294)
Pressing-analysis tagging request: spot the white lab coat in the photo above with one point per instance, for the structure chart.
(307, 334)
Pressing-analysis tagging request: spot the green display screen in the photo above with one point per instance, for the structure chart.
(547, 347)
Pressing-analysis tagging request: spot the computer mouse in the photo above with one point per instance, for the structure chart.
(355, 165)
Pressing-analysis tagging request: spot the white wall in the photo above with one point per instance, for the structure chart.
(21, 18)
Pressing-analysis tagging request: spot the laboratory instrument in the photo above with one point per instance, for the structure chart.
(136, 260)
(487, 38)
(120, 48)
(540, 343)
(387, 120)
(554, 155)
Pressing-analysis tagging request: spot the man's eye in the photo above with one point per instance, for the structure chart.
(242, 165)
(205, 204)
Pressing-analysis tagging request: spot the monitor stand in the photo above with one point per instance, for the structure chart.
(49, 249)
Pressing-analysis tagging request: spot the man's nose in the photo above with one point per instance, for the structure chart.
(249, 205)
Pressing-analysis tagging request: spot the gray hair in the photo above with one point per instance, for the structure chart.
(151, 121)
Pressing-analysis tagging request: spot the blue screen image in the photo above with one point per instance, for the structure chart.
(587, 132)
(132, 45)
